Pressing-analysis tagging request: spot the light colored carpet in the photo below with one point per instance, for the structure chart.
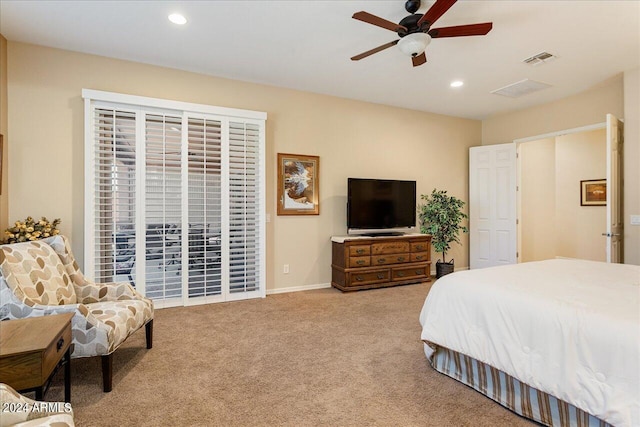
(314, 358)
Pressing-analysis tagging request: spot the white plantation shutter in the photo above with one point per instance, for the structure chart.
(163, 206)
(114, 186)
(205, 207)
(244, 206)
(175, 198)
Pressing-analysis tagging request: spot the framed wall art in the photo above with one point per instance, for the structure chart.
(593, 192)
(298, 184)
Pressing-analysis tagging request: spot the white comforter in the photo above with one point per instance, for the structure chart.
(570, 328)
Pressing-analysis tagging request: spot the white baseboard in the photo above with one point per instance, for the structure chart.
(298, 288)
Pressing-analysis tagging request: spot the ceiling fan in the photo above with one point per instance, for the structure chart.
(415, 30)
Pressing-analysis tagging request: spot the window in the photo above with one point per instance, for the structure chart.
(175, 198)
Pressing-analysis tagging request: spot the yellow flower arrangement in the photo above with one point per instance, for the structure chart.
(30, 229)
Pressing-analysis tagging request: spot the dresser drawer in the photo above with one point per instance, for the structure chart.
(419, 246)
(375, 276)
(55, 351)
(359, 261)
(404, 273)
(389, 248)
(359, 250)
(419, 256)
(390, 259)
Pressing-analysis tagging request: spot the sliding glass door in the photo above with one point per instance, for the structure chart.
(175, 203)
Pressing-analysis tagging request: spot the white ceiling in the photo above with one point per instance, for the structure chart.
(306, 45)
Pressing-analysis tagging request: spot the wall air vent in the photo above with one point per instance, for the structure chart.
(539, 59)
(518, 89)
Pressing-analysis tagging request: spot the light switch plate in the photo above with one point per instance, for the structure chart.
(635, 219)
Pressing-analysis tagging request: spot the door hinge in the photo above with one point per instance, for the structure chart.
(517, 221)
(517, 254)
(517, 188)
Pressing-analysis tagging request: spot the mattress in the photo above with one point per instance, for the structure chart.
(568, 328)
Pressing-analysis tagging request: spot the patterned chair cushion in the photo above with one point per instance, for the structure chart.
(124, 317)
(34, 269)
(61, 245)
(16, 411)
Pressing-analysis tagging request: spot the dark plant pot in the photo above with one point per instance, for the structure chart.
(443, 268)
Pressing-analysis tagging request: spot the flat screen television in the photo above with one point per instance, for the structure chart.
(379, 205)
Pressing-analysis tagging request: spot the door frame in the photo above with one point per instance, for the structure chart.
(518, 142)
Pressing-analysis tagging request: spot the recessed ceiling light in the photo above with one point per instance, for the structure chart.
(176, 18)
(457, 83)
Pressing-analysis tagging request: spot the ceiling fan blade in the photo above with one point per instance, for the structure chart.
(419, 60)
(436, 11)
(462, 30)
(377, 21)
(374, 50)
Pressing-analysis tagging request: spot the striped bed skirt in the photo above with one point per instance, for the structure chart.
(511, 393)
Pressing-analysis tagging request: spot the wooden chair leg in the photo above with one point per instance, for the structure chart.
(107, 372)
(149, 331)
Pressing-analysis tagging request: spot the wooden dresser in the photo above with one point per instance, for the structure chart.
(376, 262)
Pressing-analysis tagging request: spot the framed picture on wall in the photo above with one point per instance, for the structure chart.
(298, 184)
(593, 192)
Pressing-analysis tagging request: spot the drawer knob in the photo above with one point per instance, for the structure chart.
(400, 258)
(381, 260)
(360, 262)
(360, 251)
(419, 257)
(359, 278)
(380, 276)
(419, 247)
(59, 344)
(419, 272)
(400, 273)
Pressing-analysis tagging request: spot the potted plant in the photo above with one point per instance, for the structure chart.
(441, 216)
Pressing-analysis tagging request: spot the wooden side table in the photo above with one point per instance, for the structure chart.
(32, 349)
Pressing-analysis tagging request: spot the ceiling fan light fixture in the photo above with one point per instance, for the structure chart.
(414, 44)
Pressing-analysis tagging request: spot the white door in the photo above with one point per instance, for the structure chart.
(492, 205)
(615, 221)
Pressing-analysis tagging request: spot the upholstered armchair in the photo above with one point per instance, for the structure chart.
(20, 411)
(42, 277)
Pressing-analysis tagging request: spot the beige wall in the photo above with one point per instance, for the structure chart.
(4, 190)
(579, 156)
(584, 109)
(537, 208)
(617, 96)
(353, 139)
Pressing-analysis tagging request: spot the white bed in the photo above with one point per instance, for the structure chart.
(568, 328)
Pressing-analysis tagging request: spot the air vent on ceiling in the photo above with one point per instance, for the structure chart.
(523, 87)
(540, 58)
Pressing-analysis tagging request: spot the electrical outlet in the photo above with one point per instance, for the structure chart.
(635, 219)
(285, 270)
